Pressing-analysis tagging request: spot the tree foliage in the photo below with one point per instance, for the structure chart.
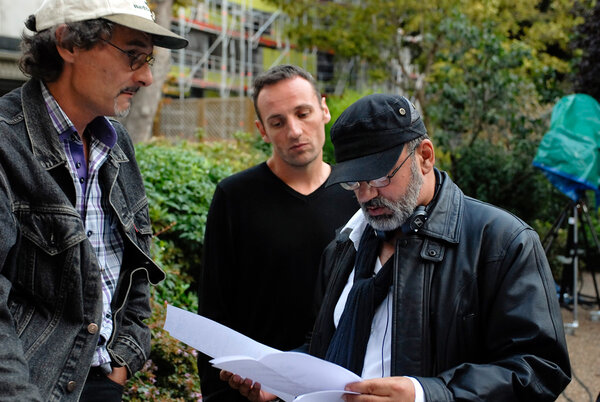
(477, 88)
(485, 74)
(587, 79)
(380, 31)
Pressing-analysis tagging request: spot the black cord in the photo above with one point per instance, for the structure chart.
(387, 321)
(583, 385)
(564, 394)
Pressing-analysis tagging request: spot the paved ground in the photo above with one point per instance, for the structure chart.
(584, 348)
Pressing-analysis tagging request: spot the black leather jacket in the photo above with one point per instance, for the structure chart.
(50, 283)
(475, 310)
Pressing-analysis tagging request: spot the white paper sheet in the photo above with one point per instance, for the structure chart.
(285, 374)
(210, 337)
(322, 396)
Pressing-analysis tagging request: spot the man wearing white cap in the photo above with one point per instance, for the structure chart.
(74, 226)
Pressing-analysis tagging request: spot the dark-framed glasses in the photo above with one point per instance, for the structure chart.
(136, 60)
(377, 183)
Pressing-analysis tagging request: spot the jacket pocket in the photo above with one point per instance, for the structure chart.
(52, 229)
(139, 232)
(47, 252)
(143, 229)
(468, 346)
(22, 312)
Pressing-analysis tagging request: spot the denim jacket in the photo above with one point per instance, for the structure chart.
(50, 283)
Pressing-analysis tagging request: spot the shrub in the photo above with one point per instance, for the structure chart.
(180, 180)
(505, 177)
(336, 105)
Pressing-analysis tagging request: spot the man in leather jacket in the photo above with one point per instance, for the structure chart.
(74, 226)
(427, 294)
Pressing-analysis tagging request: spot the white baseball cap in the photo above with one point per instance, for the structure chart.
(134, 14)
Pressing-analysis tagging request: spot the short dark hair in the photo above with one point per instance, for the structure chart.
(279, 73)
(412, 145)
(41, 59)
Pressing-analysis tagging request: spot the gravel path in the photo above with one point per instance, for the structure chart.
(584, 348)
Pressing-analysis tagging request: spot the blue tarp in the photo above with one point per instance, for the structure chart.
(569, 153)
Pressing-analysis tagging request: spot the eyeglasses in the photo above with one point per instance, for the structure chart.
(377, 183)
(136, 60)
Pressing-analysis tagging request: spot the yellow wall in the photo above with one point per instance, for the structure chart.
(257, 5)
(307, 61)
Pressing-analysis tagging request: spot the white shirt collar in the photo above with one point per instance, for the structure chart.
(355, 227)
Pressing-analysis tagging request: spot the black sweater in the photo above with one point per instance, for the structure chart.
(262, 248)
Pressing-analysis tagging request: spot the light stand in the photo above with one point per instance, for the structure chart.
(579, 218)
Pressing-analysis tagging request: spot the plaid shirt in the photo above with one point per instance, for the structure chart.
(100, 224)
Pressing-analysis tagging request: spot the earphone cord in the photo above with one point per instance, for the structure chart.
(387, 322)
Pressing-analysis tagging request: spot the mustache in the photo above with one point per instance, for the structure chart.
(130, 89)
(376, 203)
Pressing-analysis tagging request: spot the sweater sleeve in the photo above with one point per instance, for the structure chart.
(214, 297)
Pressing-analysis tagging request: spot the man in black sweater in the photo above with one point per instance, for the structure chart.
(268, 225)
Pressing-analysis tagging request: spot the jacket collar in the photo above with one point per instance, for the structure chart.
(44, 140)
(43, 137)
(444, 217)
(443, 222)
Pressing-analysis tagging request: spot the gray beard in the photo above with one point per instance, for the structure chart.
(121, 113)
(401, 209)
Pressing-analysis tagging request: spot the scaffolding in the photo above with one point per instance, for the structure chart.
(230, 42)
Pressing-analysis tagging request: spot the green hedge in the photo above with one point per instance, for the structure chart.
(336, 105)
(180, 180)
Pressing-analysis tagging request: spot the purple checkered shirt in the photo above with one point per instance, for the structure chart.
(100, 224)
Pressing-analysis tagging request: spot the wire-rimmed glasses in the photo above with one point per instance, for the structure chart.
(377, 183)
(136, 60)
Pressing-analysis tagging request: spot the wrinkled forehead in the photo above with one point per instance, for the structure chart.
(287, 95)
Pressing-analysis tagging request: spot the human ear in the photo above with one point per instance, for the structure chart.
(262, 131)
(427, 153)
(64, 47)
(326, 113)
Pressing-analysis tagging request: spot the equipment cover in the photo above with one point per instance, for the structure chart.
(569, 152)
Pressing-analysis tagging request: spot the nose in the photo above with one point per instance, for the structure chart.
(295, 128)
(364, 192)
(143, 75)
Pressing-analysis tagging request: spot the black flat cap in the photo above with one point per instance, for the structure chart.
(369, 136)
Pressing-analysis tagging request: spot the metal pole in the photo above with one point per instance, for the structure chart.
(224, 45)
(250, 47)
(242, 71)
(575, 263)
(181, 77)
(570, 327)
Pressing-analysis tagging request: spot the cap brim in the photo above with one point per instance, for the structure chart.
(365, 168)
(161, 36)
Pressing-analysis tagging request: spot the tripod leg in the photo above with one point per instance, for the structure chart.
(553, 232)
(575, 262)
(588, 221)
(547, 243)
